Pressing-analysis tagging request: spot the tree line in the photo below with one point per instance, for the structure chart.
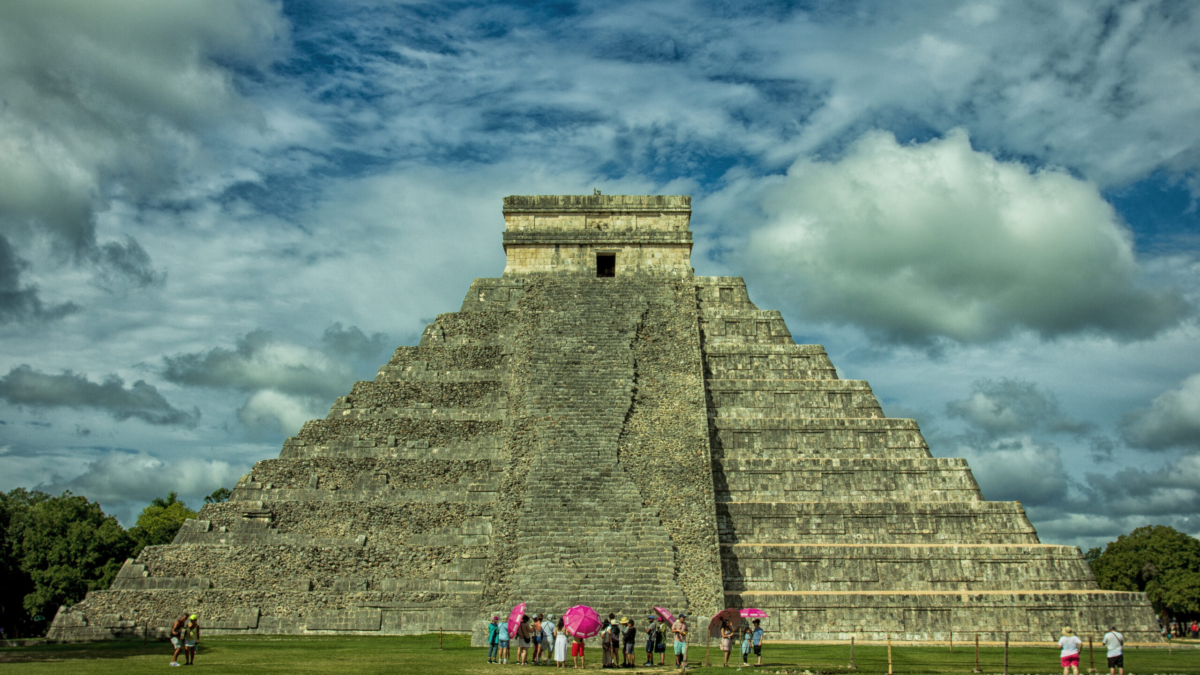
(54, 549)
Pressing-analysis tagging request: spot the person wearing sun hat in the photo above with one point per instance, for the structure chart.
(1070, 645)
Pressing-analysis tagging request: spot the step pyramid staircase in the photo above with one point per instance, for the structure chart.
(649, 438)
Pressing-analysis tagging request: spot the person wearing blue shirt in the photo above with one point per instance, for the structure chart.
(756, 641)
(502, 629)
(493, 639)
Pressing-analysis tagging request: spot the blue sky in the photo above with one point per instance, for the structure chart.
(214, 218)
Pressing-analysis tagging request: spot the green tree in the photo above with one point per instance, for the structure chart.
(14, 511)
(159, 522)
(219, 495)
(62, 547)
(1160, 561)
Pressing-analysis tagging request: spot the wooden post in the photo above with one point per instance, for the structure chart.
(145, 632)
(977, 670)
(707, 645)
(852, 666)
(889, 654)
(439, 638)
(1091, 656)
(951, 642)
(1005, 652)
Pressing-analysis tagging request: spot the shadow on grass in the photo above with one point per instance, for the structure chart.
(87, 650)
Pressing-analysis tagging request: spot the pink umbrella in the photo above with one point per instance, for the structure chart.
(665, 614)
(514, 620)
(582, 621)
(752, 613)
(727, 615)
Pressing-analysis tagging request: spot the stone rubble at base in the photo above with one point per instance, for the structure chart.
(650, 439)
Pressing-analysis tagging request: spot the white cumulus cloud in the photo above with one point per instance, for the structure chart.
(938, 240)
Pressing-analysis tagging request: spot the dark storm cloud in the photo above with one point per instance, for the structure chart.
(17, 302)
(24, 386)
(125, 263)
(1011, 407)
(353, 342)
(260, 361)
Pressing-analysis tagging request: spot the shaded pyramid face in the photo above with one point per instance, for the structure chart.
(598, 426)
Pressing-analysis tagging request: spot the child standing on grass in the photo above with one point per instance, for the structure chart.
(756, 641)
(577, 651)
(746, 646)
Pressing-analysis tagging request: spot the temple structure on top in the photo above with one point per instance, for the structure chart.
(599, 426)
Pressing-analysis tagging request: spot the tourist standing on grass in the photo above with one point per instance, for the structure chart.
(503, 636)
(494, 640)
(605, 642)
(1070, 645)
(577, 651)
(524, 633)
(746, 646)
(756, 641)
(536, 636)
(726, 641)
(630, 642)
(560, 644)
(1195, 629)
(661, 646)
(548, 636)
(1115, 642)
(177, 637)
(680, 630)
(191, 638)
(651, 641)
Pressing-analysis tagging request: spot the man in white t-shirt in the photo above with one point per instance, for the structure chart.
(1070, 645)
(1114, 641)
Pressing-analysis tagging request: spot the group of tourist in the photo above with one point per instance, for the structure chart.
(185, 635)
(539, 637)
(751, 641)
(1178, 629)
(1070, 644)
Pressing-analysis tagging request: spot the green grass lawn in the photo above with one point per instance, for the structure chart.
(352, 655)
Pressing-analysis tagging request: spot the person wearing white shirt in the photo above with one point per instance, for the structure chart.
(1115, 642)
(1070, 645)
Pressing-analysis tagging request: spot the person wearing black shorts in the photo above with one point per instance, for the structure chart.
(1115, 643)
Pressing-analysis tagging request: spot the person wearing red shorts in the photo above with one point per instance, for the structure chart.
(577, 651)
(1070, 645)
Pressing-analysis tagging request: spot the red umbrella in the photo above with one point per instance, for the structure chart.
(581, 621)
(665, 614)
(514, 620)
(752, 613)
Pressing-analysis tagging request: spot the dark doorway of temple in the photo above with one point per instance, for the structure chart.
(606, 264)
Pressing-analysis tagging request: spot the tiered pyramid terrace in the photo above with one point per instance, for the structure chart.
(645, 438)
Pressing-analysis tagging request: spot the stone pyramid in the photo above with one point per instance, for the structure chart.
(599, 426)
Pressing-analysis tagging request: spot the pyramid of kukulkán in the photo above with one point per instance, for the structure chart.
(599, 426)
